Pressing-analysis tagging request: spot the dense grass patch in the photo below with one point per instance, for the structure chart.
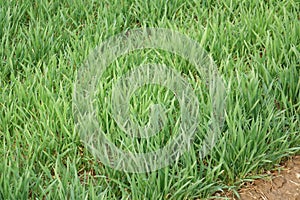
(255, 44)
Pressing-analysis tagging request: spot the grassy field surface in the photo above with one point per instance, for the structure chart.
(255, 45)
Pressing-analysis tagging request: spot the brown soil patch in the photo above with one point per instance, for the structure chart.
(282, 185)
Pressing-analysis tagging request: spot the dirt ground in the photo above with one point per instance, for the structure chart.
(282, 185)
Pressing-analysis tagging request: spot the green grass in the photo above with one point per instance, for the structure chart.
(255, 44)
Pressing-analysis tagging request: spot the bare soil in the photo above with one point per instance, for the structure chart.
(280, 185)
(284, 184)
